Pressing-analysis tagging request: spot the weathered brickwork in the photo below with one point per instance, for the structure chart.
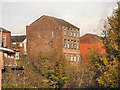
(87, 42)
(47, 35)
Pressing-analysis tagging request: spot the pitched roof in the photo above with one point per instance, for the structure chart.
(99, 38)
(59, 21)
(4, 30)
(20, 38)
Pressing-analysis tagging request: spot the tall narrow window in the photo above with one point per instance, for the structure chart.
(78, 58)
(68, 32)
(78, 33)
(71, 57)
(71, 34)
(78, 45)
(72, 44)
(4, 40)
(75, 57)
(64, 31)
(75, 44)
(64, 43)
(74, 33)
(68, 44)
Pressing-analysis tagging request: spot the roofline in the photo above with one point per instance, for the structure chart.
(5, 29)
(91, 37)
(53, 21)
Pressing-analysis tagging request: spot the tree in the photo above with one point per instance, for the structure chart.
(52, 69)
(106, 67)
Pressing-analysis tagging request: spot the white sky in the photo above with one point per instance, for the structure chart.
(14, 16)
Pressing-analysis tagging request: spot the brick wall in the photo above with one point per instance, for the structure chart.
(45, 35)
(39, 37)
(87, 42)
(8, 39)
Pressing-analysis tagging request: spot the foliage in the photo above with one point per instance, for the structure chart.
(106, 66)
(53, 69)
(19, 78)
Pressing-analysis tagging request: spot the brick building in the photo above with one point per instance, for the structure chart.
(6, 38)
(93, 42)
(49, 34)
(19, 43)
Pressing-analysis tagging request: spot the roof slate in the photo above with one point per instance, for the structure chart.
(20, 38)
(99, 38)
(4, 30)
(59, 21)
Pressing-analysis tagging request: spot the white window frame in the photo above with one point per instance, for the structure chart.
(74, 44)
(68, 43)
(4, 40)
(71, 57)
(64, 31)
(78, 57)
(74, 33)
(75, 57)
(64, 43)
(78, 45)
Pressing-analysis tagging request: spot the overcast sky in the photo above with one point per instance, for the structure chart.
(14, 16)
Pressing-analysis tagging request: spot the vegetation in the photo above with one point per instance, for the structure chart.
(106, 67)
(53, 71)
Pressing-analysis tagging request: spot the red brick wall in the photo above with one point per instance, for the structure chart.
(87, 42)
(8, 39)
(39, 36)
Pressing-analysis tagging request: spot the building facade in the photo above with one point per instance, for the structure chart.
(91, 42)
(19, 43)
(50, 34)
(6, 38)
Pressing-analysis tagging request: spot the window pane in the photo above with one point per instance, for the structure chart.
(71, 43)
(78, 33)
(75, 57)
(71, 57)
(74, 33)
(65, 31)
(68, 44)
(65, 43)
(75, 44)
(4, 40)
(78, 45)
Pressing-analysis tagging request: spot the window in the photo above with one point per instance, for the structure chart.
(74, 33)
(64, 43)
(71, 43)
(4, 40)
(20, 45)
(68, 32)
(75, 44)
(64, 31)
(75, 57)
(79, 58)
(78, 45)
(78, 33)
(71, 33)
(71, 57)
(68, 44)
